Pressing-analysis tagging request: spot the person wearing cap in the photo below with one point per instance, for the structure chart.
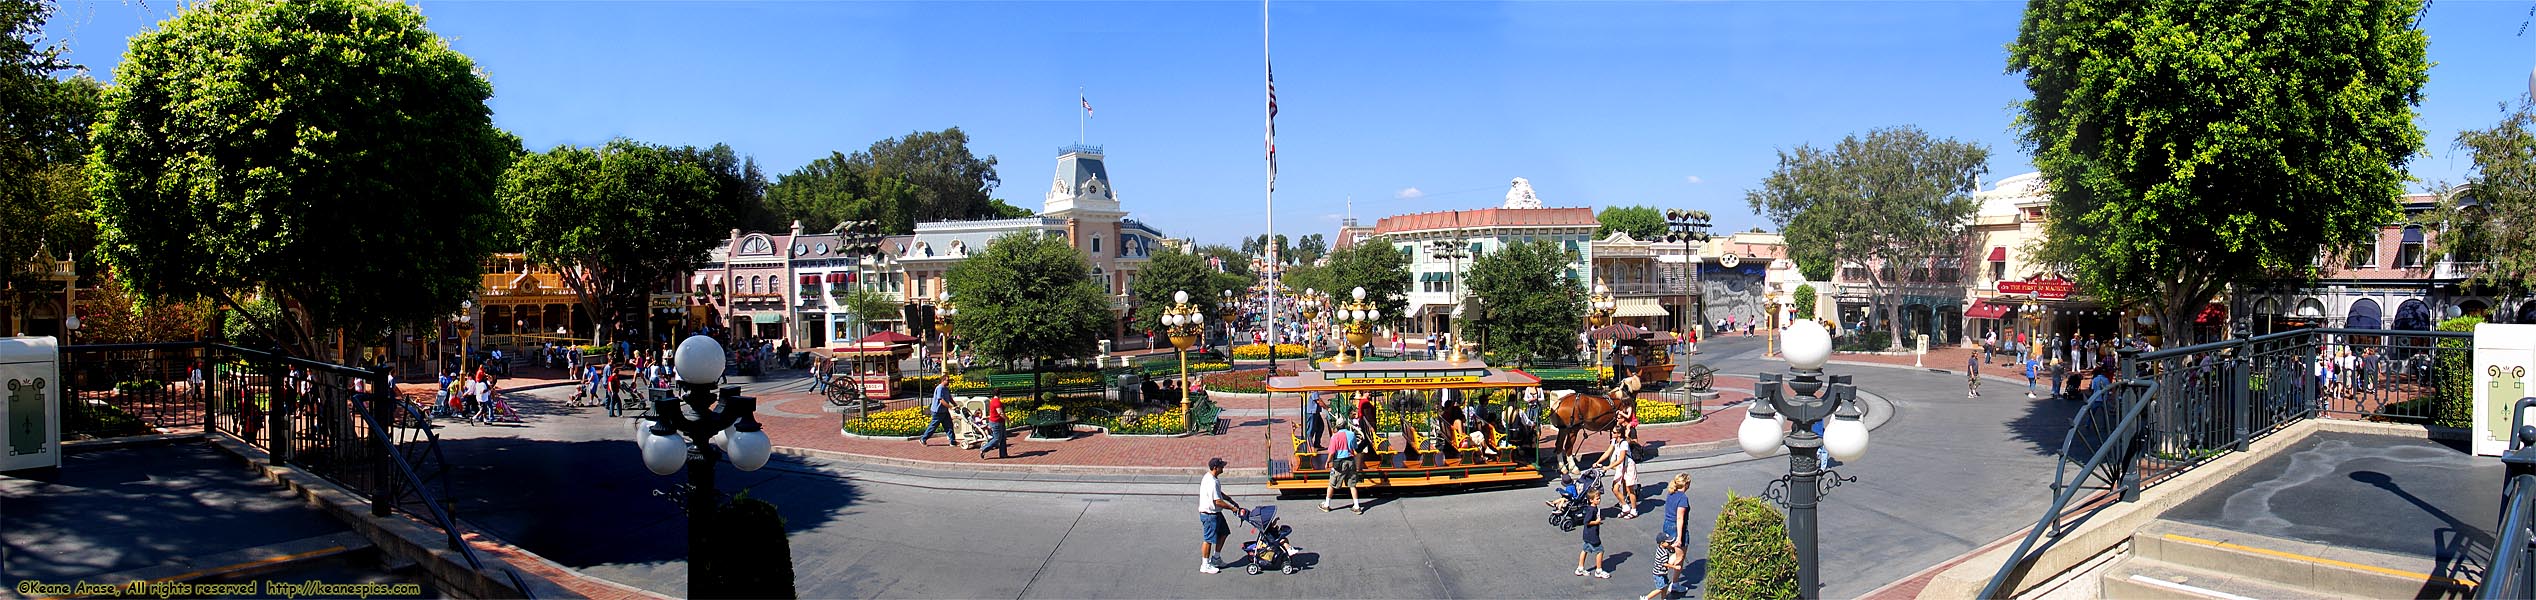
(1211, 505)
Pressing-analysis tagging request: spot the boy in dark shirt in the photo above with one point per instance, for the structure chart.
(1593, 537)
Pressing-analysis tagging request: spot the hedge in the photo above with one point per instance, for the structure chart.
(1749, 555)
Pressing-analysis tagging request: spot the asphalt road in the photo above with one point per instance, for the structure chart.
(1948, 473)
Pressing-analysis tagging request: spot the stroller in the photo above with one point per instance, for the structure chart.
(1571, 510)
(1271, 545)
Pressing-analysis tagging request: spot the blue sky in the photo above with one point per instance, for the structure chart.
(1597, 103)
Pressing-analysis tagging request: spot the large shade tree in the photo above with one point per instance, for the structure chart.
(1530, 308)
(1382, 270)
(897, 182)
(331, 155)
(1028, 297)
(2188, 145)
(1642, 223)
(1171, 272)
(2490, 223)
(618, 220)
(44, 123)
(1896, 200)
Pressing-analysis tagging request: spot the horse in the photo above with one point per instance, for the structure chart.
(1577, 415)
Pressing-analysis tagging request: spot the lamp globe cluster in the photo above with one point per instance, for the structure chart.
(699, 366)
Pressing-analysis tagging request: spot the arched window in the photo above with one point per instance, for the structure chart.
(756, 285)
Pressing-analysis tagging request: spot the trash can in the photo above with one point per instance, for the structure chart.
(31, 429)
(1131, 389)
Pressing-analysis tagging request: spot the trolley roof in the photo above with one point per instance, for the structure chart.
(1403, 375)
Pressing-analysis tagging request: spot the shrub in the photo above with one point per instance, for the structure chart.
(2452, 404)
(1749, 555)
(1873, 340)
(1246, 381)
(141, 386)
(748, 555)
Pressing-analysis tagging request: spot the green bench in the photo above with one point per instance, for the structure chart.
(1205, 415)
(1019, 384)
(1566, 379)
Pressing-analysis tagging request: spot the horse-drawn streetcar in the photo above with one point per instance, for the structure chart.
(1436, 423)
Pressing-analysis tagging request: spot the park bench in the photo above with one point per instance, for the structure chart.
(1207, 415)
(1019, 384)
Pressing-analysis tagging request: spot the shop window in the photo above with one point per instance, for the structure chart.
(2365, 256)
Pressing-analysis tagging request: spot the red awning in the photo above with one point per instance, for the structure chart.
(810, 280)
(886, 337)
(2214, 313)
(1983, 309)
(1618, 331)
(1999, 254)
(836, 278)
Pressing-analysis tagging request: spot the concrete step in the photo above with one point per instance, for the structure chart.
(249, 561)
(2135, 578)
(2334, 571)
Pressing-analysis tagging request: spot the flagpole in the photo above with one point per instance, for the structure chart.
(1265, 441)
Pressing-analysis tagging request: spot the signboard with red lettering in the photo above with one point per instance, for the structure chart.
(2046, 289)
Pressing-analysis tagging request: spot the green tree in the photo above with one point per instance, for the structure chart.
(332, 155)
(1749, 553)
(1531, 307)
(2187, 146)
(44, 124)
(1309, 248)
(618, 220)
(922, 176)
(1029, 296)
(1803, 296)
(1815, 269)
(1309, 277)
(1643, 223)
(1897, 199)
(1377, 267)
(869, 306)
(112, 315)
(2497, 234)
(1174, 272)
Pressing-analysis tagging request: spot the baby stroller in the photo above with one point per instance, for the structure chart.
(1571, 510)
(1271, 545)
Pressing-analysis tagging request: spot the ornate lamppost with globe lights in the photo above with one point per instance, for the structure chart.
(1686, 226)
(942, 325)
(723, 425)
(1598, 311)
(1778, 418)
(1308, 306)
(1184, 322)
(1356, 320)
(466, 329)
(1770, 327)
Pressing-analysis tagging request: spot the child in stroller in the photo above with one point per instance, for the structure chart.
(1270, 545)
(1573, 505)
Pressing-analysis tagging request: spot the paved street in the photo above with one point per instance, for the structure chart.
(569, 487)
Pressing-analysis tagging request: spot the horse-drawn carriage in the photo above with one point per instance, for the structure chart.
(1421, 434)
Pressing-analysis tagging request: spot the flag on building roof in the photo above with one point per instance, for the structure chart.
(1087, 104)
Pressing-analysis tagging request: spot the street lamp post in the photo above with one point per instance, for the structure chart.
(2034, 327)
(466, 329)
(1356, 318)
(942, 325)
(1598, 310)
(1770, 324)
(1185, 322)
(724, 425)
(1686, 226)
(1453, 251)
(1778, 418)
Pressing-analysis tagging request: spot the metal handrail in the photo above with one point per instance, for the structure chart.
(439, 514)
(2511, 574)
(2060, 499)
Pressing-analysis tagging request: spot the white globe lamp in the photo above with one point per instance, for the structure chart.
(699, 361)
(664, 453)
(1845, 437)
(1806, 345)
(1359, 293)
(1761, 433)
(1181, 296)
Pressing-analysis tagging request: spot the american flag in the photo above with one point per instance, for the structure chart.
(1087, 104)
(1272, 127)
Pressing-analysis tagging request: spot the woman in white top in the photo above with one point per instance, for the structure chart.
(1624, 470)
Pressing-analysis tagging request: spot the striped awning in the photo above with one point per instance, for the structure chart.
(840, 277)
(1984, 309)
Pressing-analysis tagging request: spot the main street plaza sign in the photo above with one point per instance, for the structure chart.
(2042, 289)
(1403, 380)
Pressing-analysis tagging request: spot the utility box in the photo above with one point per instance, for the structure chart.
(31, 371)
(2503, 357)
(1922, 340)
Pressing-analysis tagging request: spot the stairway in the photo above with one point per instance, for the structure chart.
(2176, 560)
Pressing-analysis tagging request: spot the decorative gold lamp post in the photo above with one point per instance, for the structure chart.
(942, 325)
(1184, 322)
(1308, 305)
(1356, 319)
(2034, 326)
(1598, 311)
(1770, 327)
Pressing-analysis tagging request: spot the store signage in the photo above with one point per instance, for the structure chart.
(2045, 289)
(1406, 380)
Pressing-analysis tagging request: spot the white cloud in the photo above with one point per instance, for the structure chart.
(1694, 179)
(1408, 194)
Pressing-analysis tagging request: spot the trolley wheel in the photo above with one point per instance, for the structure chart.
(1253, 568)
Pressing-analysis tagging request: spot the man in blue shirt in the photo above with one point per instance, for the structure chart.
(939, 405)
(1312, 419)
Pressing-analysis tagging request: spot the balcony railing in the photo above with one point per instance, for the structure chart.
(1645, 288)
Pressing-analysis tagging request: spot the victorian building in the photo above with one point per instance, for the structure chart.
(1430, 241)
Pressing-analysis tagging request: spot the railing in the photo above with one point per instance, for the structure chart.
(2513, 572)
(322, 418)
(2172, 410)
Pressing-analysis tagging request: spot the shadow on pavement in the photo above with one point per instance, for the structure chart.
(116, 510)
(2045, 424)
(589, 503)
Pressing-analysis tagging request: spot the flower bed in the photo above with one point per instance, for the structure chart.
(1246, 381)
(1159, 423)
(1260, 351)
(1652, 411)
(890, 423)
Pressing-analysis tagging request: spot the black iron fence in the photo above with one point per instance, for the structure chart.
(2161, 413)
(344, 424)
(2513, 573)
